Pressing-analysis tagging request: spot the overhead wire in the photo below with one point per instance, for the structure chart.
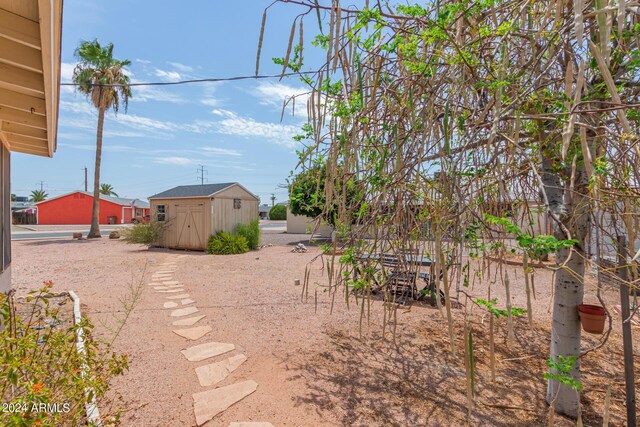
(205, 80)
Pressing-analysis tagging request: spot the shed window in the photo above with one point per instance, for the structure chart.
(237, 203)
(160, 213)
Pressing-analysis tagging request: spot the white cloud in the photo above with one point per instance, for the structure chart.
(170, 76)
(248, 127)
(143, 61)
(179, 161)
(181, 67)
(66, 72)
(151, 93)
(145, 123)
(221, 151)
(275, 94)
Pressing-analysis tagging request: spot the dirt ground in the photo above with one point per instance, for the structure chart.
(311, 362)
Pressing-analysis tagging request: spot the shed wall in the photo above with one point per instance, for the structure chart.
(186, 222)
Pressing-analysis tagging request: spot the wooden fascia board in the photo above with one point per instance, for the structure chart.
(50, 12)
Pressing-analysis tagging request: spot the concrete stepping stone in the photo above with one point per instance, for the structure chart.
(170, 304)
(186, 301)
(170, 282)
(213, 373)
(154, 283)
(207, 350)
(161, 278)
(160, 288)
(184, 311)
(171, 291)
(181, 296)
(208, 404)
(188, 322)
(174, 286)
(251, 424)
(166, 271)
(193, 333)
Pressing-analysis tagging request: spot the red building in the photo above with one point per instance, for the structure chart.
(76, 208)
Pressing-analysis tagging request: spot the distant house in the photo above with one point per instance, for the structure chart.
(193, 212)
(263, 211)
(31, 33)
(23, 211)
(77, 207)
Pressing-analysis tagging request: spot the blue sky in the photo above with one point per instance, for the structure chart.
(231, 128)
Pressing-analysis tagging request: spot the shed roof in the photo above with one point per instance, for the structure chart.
(204, 190)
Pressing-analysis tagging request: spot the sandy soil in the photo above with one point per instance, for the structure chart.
(312, 364)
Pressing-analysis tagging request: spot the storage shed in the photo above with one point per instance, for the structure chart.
(193, 212)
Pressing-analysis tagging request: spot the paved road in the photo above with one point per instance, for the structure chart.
(55, 234)
(65, 232)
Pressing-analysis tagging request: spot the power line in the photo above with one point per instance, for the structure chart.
(206, 80)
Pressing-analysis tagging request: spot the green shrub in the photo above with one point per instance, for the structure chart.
(223, 243)
(278, 212)
(149, 233)
(40, 363)
(251, 232)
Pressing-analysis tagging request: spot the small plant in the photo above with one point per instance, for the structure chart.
(223, 243)
(537, 247)
(251, 232)
(515, 311)
(561, 371)
(44, 379)
(149, 233)
(278, 213)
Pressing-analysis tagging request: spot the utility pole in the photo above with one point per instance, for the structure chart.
(86, 187)
(201, 172)
(41, 185)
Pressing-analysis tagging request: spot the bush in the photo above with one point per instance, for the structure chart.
(149, 233)
(278, 212)
(40, 364)
(223, 243)
(251, 232)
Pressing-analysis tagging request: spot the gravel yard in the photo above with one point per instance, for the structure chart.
(309, 360)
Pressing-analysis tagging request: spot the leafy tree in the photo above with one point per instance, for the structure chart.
(13, 197)
(503, 100)
(278, 213)
(38, 196)
(98, 67)
(107, 190)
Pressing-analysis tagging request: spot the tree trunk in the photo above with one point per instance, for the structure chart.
(572, 207)
(94, 232)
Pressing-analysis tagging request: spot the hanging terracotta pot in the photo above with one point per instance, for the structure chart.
(592, 318)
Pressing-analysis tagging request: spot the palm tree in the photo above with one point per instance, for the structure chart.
(107, 190)
(38, 196)
(102, 79)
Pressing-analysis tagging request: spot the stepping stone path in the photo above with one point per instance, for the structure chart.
(213, 373)
(183, 311)
(188, 322)
(193, 333)
(205, 351)
(181, 296)
(209, 403)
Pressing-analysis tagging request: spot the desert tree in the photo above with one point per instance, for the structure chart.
(446, 116)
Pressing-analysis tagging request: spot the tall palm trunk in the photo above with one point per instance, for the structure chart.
(94, 232)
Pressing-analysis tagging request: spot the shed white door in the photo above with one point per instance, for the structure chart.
(190, 223)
